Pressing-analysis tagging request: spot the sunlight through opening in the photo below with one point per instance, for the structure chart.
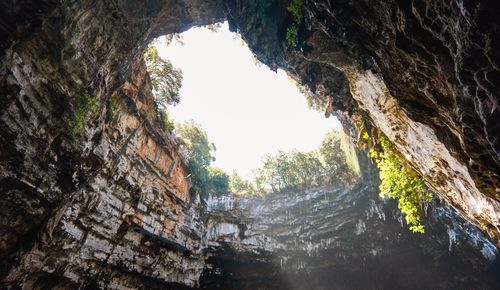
(246, 109)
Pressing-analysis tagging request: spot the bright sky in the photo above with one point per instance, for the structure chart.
(246, 109)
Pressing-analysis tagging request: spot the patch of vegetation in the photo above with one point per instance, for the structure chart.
(295, 8)
(291, 36)
(337, 155)
(113, 106)
(293, 170)
(167, 121)
(364, 138)
(284, 171)
(289, 171)
(239, 185)
(201, 151)
(214, 27)
(219, 181)
(401, 183)
(85, 108)
(165, 78)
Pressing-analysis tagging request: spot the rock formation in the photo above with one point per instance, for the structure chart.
(424, 72)
(341, 238)
(99, 207)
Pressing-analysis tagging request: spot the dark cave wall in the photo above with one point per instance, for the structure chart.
(96, 209)
(424, 73)
(342, 237)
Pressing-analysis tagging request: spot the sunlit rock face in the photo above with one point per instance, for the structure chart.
(342, 238)
(110, 205)
(123, 204)
(425, 72)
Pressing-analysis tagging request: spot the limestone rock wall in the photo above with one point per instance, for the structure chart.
(342, 238)
(107, 206)
(98, 208)
(125, 215)
(424, 72)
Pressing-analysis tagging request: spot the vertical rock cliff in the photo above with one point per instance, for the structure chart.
(102, 200)
(106, 205)
(424, 72)
(342, 237)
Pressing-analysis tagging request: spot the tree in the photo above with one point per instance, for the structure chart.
(200, 152)
(167, 121)
(219, 181)
(239, 185)
(307, 167)
(334, 158)
(165, 79)
(268, 176)
(292, 170)
(295, 8)
(288, 171)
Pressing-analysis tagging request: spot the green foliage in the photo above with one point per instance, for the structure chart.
(401, 183)
(334, 159)
(113, 106)
(201, 151)
(219, 181)
(167, 121)
(362, 124)
(165, 79)
(364, 139)
(292, 170)
(85, 107)
(305, 167)
(239, 185)
(291, 36)
(295, 8)
(279, 171)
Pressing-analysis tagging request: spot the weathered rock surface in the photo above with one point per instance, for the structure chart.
(342, 238)
(424, 72)
(106, 208)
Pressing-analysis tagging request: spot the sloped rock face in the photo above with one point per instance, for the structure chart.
(124, 208)
(424, 72)
(109, 205)
(342, 238)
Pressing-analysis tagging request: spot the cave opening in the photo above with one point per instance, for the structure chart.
(238, 101)
(96, 191)
(278, 240)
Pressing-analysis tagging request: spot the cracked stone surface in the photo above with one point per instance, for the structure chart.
(97, 209)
